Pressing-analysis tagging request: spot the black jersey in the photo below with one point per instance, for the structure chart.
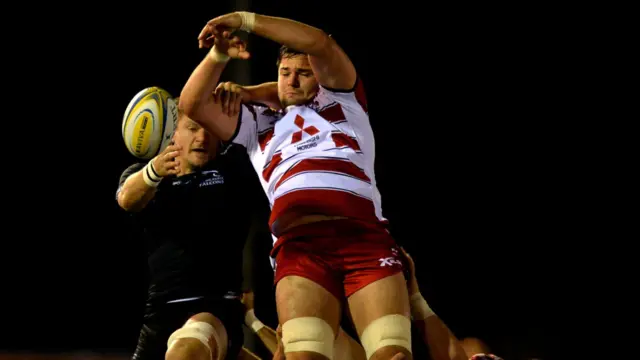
(195, 228)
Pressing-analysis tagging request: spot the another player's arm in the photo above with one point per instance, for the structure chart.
(138, 188)
(266, 334)
(196, 99)
(442, 344)
(331, 65)
(265, 93)
(246, 354)
(197, 102)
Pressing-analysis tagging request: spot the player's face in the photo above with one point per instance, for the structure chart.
(198, 145)
(296, 82)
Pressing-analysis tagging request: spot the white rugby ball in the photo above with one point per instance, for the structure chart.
(149, 121)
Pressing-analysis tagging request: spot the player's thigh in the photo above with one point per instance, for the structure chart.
(306, 286)
(381, 315)
(308, 294)
(203, 336)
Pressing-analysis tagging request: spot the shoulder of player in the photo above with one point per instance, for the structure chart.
(130, 170)
(135, 166)
(354, 95)
(260, 110)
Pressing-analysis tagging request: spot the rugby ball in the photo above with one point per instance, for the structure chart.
(148, 122)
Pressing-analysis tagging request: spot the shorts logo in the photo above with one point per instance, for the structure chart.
(390, 261)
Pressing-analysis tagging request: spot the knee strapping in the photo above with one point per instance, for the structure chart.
(199, 330)
(387, 331)
(308, 334)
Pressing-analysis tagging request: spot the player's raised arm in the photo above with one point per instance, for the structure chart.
(329, 62)
(196, 99)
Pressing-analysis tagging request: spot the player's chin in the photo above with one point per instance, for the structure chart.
(294, 100)
(198, 158)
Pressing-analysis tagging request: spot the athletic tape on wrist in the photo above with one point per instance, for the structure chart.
(420, 310)
(218, 56)
(252, 321)
(150, 175)
(248, 20)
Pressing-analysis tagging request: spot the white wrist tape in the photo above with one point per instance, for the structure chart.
(248, 20)
(150, 175)
(420, 310)
(218, 56)
(252, 321)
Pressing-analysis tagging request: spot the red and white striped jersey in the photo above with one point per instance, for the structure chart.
(316, 158)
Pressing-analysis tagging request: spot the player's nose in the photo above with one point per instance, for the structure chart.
(293, 81)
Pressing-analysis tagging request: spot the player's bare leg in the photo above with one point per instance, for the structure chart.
(383, 304)
(309, 315)
(347, 348)
(203, 337)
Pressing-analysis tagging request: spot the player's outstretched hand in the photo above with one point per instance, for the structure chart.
(166, 163)
(219, 32)
(230, 96)
(216, 26)
(412, 282)
(279, 354)
(247, 300)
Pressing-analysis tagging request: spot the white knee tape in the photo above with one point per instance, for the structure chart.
(198, 330)
(308, 334)
(386, 331)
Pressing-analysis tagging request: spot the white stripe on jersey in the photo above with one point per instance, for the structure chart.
(324, 180)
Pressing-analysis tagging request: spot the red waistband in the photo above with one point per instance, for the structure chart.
(329, 229)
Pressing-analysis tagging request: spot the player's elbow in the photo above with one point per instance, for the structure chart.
(127, 202)
(322, 45)
(124, 202)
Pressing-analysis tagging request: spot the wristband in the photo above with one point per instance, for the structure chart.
(420, 310)
(218, 56)
(248, 20)
(150, 175)
(252, 321)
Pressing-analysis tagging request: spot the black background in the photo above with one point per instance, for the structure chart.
(468, 164)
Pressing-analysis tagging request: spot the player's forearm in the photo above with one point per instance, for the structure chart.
(268, 338)
(266, 93)
(266, 334)
(291, 33)
(200, 85)
(443, 345)
(135, 193)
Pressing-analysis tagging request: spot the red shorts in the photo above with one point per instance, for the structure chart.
(343, 256)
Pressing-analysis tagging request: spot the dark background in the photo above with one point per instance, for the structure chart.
(467, 161)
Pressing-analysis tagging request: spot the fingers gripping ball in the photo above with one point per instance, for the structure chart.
(149, 122)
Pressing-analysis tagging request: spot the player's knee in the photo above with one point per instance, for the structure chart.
(307, 334)
(202, 337)
(387, 336)
(187, 348)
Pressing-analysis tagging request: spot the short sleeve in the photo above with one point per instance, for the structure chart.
(355, 97)
(246, 131)
(128, 172)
